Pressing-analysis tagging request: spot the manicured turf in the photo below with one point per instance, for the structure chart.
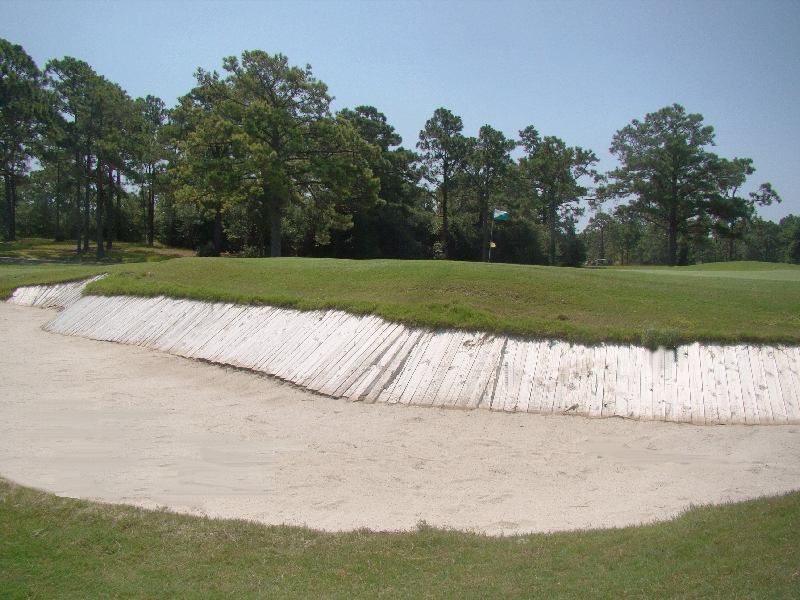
(725, 302)
(58, 547)
(755, 302)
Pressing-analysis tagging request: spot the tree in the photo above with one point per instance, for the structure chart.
(666, 170)
(23, 115)
(443, 146)
(487, 160)
(552, 171)
(400, 224)
(290, 149)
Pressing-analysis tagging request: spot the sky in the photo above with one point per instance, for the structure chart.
(579, 70)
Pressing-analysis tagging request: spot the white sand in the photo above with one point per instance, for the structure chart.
(124, 424)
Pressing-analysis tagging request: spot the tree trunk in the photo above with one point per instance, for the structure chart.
(9, 207)
(445, 185)
(87, 204)
(58, 201)
(602, 244)
(217, 232)
(151, 210)
(119, 207)
(485, 237)
(672, 240)
(730, 249)
(99, 205)
(110, 210)
(274, 209)
(78, 199)
(552, 222)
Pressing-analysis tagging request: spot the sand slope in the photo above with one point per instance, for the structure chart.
(122, 423)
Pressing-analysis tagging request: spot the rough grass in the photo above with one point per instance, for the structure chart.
(59, 547)
(729, 302)
(122, 252)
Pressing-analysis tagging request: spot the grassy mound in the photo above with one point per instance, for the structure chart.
(724, 302)
(65, 548)
(749, 302)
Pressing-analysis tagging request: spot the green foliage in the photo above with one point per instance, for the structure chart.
(66, 548)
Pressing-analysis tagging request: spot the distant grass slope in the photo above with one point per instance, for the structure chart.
(122, 252)
(724, 302)
(53, 547)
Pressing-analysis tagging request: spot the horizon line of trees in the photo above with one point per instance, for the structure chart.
(253, 161)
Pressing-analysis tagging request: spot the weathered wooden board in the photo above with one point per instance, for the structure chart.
(365, 358)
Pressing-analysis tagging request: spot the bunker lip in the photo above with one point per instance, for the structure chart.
(122, 423)
(364, 358)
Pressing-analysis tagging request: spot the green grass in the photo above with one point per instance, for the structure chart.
(748, 302)
(65, 548)
(723, 302)
(122, 252)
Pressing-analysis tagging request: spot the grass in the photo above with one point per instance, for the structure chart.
(722, 302)
(66, 548)
(752, 302)
(122, 252)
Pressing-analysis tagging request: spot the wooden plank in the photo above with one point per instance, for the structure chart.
(760, 385)
(362, 356)
(476, 379)
(773, 385)
(558, 353)
(320, 351)
(272, 336)
(581, 397)
(683, 391)
(596, 380)
(791, 401)
(527, 378)
(418, 386)
(658, 360)
(435, 392)
(244, 341)
(390, 366)
(539, 382)
(505, 377)
(647, 369)
(721, 382)
(369, 332)
(492, 364)
(749, 402)
(670, 384)
(565, 369)
(435, 356)
(793, 359)
(696, 385)
(452, 388)
(224, 314)
(360, 378)
(305, 340)
(395, 390)
(324, 361)
(709, 386)
(734, 382)
(623, 381)
(609, 406)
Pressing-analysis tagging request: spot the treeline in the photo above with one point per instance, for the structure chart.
(253, 161)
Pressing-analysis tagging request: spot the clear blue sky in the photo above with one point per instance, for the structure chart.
(578, 70)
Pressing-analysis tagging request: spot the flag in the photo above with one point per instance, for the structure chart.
(492, 244)
(500, 215)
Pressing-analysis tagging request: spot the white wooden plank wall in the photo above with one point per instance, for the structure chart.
(367, 359)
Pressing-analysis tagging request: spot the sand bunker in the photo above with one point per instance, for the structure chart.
(126, 424)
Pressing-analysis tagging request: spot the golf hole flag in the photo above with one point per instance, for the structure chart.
(500, 215)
